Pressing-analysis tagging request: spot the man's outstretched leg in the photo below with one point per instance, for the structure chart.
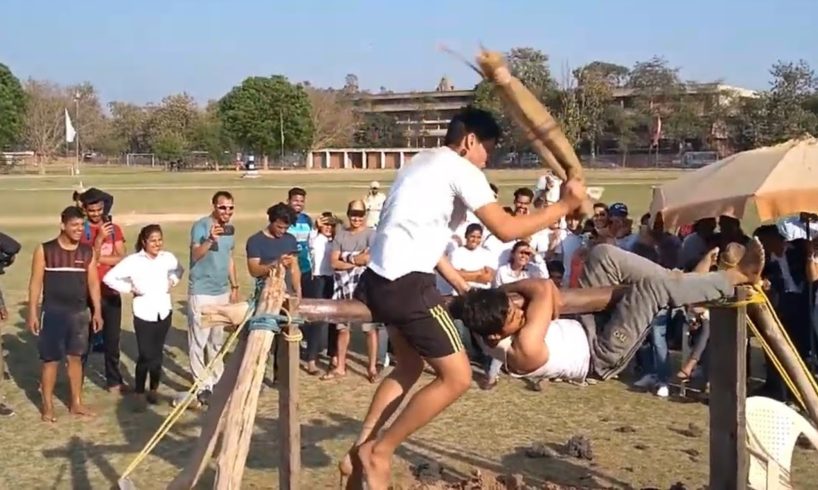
(387, 398)
(624, 332)
(453, 378)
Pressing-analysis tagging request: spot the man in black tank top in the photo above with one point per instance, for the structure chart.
(64, 275)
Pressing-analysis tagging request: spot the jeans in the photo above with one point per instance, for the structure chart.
(316, 333)
(111, 310)
(658, 338)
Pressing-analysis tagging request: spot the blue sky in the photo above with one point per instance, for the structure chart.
(141, 50)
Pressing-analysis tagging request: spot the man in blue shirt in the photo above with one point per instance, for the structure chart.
(212, 282)
(301, 229)
(274, 243)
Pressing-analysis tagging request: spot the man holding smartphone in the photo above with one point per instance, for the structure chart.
(212, 282)
(108, 242)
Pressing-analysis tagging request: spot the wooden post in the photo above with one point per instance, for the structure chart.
(728, 393)
(289, 426)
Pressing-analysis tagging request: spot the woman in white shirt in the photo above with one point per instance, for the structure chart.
(321, 251)
(148, 274)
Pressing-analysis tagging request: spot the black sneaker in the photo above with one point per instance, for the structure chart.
(5, 410)
(204, 397)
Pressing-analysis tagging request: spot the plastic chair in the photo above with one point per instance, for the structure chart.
(773, 429)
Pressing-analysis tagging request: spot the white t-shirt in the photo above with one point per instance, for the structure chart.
(505, 275)
(374, 205)
(426, 204)
(321, 250)
(472, 260)
(570, 245)
(551, 195)
(499, 251)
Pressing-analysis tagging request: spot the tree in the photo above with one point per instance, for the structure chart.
(333, 118)
(268, 115)
(378, 130)
(623, 124)
(129, 126)
(170, 126)
(654, 78)
(170, 146)
(351, 84)
(793, 84)
(12, 108)
(45, 120)
(208, 134)
(595, 92)
(746, 124)
(613, 74)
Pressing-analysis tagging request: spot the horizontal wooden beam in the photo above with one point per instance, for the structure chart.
(574, 301)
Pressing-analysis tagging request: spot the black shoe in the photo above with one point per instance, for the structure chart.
(152, 398)
(204, 397)
(5, 410)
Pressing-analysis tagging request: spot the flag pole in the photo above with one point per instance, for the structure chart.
(77, 137)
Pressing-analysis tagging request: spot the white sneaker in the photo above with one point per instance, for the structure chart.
(647, 381)
(662, 391)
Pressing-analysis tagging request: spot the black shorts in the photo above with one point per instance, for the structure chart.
(63, 333)
(413, 305)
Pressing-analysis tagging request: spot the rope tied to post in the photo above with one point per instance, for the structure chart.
(757, 296)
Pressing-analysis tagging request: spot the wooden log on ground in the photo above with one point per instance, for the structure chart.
(212, 425)
(728, 392)
(573, 301)
(241, 411)
(789, 358)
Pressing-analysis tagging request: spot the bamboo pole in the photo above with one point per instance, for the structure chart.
(789, 358)
(212, 425)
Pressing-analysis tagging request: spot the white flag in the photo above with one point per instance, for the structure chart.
(70, 133)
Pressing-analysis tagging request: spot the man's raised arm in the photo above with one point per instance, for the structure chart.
(541, 300)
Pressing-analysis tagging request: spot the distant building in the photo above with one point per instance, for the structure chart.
(425, 115)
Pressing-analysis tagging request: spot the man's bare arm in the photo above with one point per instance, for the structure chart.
(528, 349)
(199, 250)
(337, 263)
(231, 273)
(35, 282)
(484, 275)
(451, 275)
(94, 288)
(295, 273)
(507, 227)
(255, 268)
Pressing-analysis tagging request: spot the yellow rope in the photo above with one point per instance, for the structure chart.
(296, 337)
(765, 346)
(177, 412)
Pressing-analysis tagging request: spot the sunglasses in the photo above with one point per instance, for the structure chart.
(225, 208)
(356, 214)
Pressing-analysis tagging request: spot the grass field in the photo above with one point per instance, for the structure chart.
(485, 430)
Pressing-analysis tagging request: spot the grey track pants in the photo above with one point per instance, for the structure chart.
(653, 288)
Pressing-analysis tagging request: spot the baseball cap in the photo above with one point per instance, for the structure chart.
(374, 185)
(618, 209)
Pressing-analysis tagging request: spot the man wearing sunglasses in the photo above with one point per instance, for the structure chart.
(212, 282)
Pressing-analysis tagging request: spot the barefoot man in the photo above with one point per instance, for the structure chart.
(534, 342)
(64, 274)
(426, 203)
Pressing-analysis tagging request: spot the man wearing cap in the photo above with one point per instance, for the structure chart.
(621, 226)
(374, 203)
(108, 242)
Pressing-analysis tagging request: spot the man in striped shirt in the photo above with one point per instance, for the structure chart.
(64, 274)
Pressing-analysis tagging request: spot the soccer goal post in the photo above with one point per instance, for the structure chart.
(132, 159)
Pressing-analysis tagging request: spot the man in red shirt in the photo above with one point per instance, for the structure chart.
(108, 243)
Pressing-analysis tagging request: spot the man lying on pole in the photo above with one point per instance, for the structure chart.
(534, 342)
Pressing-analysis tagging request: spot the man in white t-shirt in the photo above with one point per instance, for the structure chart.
(428, 200)
(548, 187)
(374, 204)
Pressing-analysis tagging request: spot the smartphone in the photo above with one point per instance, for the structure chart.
(106, 218)
(228, 230)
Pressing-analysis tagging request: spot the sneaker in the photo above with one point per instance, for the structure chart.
(647, 381)
(663, 391)
(204, 396)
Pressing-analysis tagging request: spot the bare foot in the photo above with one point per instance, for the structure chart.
(47, 415)
(376, 467)
(350, 471)
(752, 263)
(82, 411)
(733, 253)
